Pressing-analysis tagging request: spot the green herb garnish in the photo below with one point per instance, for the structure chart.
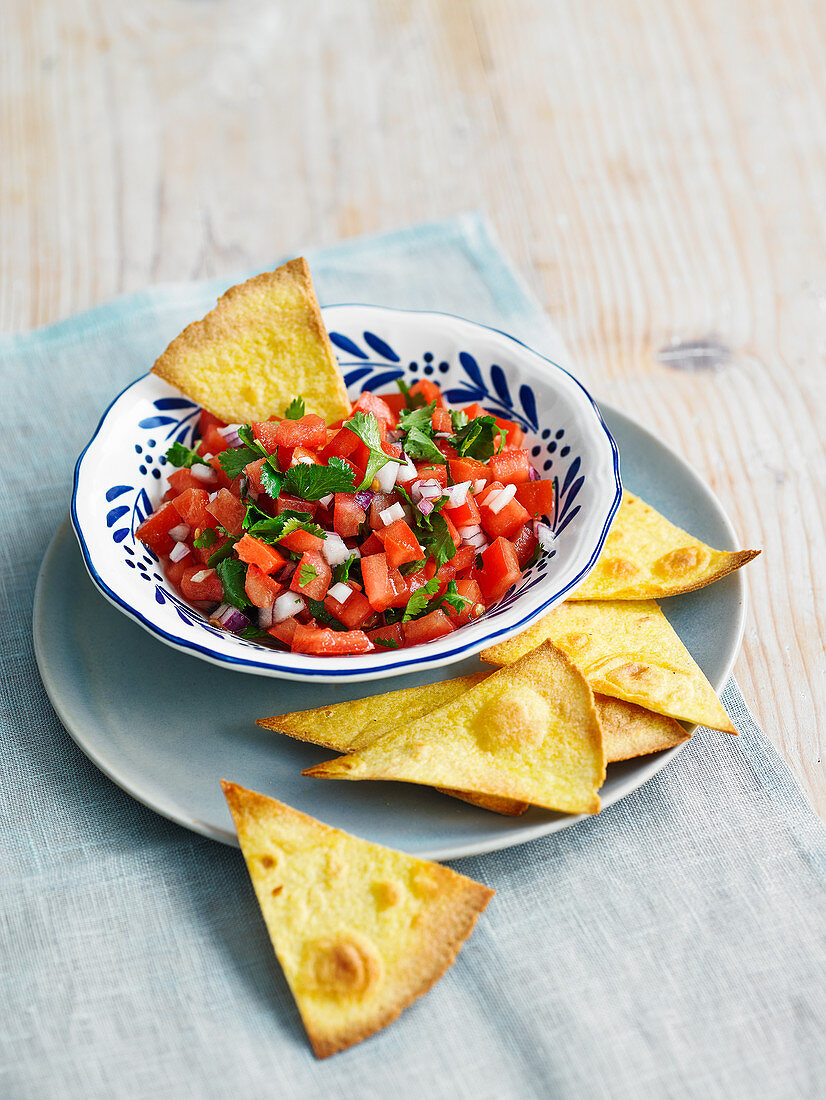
(480, 438)
(388, 643)
(206, 539)
(183, 457)
(417, 418)
(295, 409)
(412, 400)
(417, 604)
(366, 427)
(233, 573)
(420, 446)
(314, 482)
(319, 611)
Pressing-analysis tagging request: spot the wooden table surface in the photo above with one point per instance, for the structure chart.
(657, 171)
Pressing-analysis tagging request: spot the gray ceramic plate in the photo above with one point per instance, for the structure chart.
(166, 726)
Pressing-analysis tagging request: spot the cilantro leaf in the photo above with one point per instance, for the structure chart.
(453, 597)
(411, 567)
(181, 456)
(412, 400)
(420, 446)
(480, 438)
(314, 482)
(246, 435)
(254, 633)
(388, 643)
(233, 573)
(306, 573)
(458, 419)
(234, 460)
(296, 523)
(417, 604)
(416, 418)
(206, 539)
(341, 573)
(272, 528)
(295, 409)
(438, 541)
(271, 478)
(366, 427)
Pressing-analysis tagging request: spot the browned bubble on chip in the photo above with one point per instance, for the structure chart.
(263, 345)
(626, 649)
(528, 733)
(646, 557)
(356, 944)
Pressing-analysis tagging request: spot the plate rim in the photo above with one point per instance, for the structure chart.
(329, 673)
(638, 778)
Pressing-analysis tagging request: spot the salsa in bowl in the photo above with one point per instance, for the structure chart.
(469, 492)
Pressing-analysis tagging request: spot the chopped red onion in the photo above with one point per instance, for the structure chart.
(325, 502)
(406, 471)
(340, 592)
(479, 484)
(230, 434)
(179, 533)
(425, 506)
(500, 499)
(178, 551)
(457, 494)
(533, 474)
(202, 575)
(386, 476)
(265, 620)
(469, 531)
(364, 498)
(286, 606)
(478, 541)
(428, 489)
(204, 473)
(229, 618)
(334, 549)
(545, 536)
(391, 514)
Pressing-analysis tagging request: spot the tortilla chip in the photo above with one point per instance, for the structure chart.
(263, 344)
(529, 732)
(646, 557)
(360, 930)
(628, 650)
(627, 729)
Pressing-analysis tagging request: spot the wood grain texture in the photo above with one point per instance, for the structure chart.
(658, 172)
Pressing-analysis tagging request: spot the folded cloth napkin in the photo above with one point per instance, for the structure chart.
(673, 946)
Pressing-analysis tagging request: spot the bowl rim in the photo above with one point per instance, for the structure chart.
(394, 663)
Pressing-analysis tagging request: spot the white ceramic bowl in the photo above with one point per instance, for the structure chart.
(119, 479)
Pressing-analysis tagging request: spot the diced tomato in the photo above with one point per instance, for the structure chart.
(207, 588)
(377, 587)
(429, 391)
(440, 421)
(207, 420)
(221, 480)
(463, 559)
(420, 577)
(432, 473)
(511, 467)
(372, 403)
(346, 444)
(284, 631)
(286, 503)
(181, 480)
(192, 508)
(505, 522)
(513, 433)
(302, 454)
(538, 497)
(354, 612)
(379, 503)
(395, 402)
(474, 410)
(454, 534)
(401, 589)
(372, 545)
(252, 472)
(468, 469)
(169, 495)
(447, 448)
(213, 442)
(500, 569)
(324, 642)
(464, 515)
(312, 576)
(174, 570)
(471, 591)
(264, 431)
(309, 431)
(427, 629)
(260, 588)
(204, 553)
(392, 633)
(524, 543)
(400, 544)
(301, 541)
(154, 531)
(392, 449)
(258, 553)
(228, 511)
(348, 515)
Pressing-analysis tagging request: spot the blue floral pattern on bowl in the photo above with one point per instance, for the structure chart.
(566, 437)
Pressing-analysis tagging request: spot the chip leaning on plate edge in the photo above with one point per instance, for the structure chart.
(601, 678)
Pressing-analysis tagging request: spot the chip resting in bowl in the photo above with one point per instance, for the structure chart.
(360, 930)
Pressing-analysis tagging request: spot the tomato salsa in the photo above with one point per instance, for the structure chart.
(393, 527)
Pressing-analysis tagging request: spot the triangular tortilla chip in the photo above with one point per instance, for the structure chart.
(529, 732)
(626, 649)
(646, 557)
(263, 344)
(360, 930)
(627, 729)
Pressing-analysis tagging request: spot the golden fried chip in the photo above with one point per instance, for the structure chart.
(529, 732)
(628, 730)
(626, 649)
(263, 344)
(360, 930)
(646, 557)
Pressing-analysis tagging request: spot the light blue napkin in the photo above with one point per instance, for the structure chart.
(671, 947)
